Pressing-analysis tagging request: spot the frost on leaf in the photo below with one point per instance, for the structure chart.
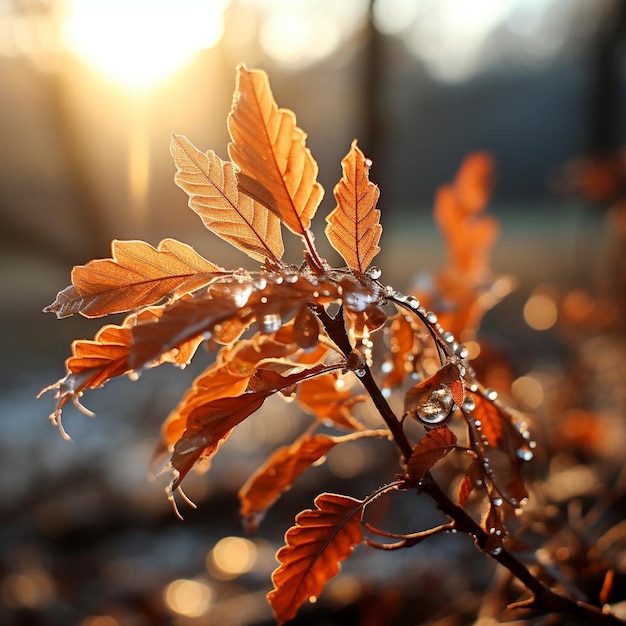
(353, 226)
(321, 538)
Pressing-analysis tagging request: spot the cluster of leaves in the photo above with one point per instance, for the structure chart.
(299, 331)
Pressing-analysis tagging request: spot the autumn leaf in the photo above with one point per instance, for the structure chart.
(431, 400)
(227, 377)
(209, 424)
(404, 347)
(137, 275)
(490, 418)
(94, 362)
(353, 227)
(320, 539)
(432, 447)
(276, 168)
(323, 398)
(283, 467)
(213, 194)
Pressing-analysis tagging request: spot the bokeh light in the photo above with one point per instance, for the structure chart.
(191, 598)
(231, 557)
(138, 43)
(540, 311)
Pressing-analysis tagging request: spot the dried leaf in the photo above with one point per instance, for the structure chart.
(283, 467)
(432, 447)
(404, 344)
(212, 188)
(314, 547)
(490, 418)
(353, 226)
(323, 398)
(209, 424)
(277, 169)
(137, 275)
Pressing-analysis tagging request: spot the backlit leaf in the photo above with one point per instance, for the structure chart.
(279, 472)
(327, 401)
(137, 275)
(277, 169)
(404, 344)
(432, 447)
(353, 226)
(209, 424)
(320, 539)
(212, 188)
(490, 418)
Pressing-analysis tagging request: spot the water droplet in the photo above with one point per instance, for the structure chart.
(474, 387)
(292, 278)
(270, 323)
(495, 551)
(478, 423)
(207, 335)
(437, 408)
(497, 501)
(260, 283)
(358, 300)
(279, 280)
(414, 303)
(478, 482)
(374, 272)
(526, 454)
(448, 337)
(133, 375)
(469, 404)
(462, 352)
(491, 394)
(360, 373)
(454, 531)
(431, 317)
(368, 163)
(386, 392)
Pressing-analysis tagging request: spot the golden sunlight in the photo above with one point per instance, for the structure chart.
(139, 43)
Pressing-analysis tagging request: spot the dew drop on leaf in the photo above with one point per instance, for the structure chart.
(374, 272)
(497, 501)
(270, 323)
(469, 404)
(524, 453)
(436, 408)
(431, 317)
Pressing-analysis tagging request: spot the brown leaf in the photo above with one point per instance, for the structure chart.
(490, 418)
(209, 424)
(277, 169)
(353, 226)
(432, 447)
(283, 467)
(432, 390)
(137, 275)
(227, 377)
(314, 547)
(94, 362)
(212, 188)
(404, 346)
(325, 400)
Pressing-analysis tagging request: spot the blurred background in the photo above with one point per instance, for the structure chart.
(90, 92)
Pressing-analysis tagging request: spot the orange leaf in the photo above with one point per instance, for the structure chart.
(277, 169)
(212, 188)
(353, 226)
(227, 377)
(432, 447)
(490, 418)
(279, 472)
(137, 275)
(325, 400)
(431, 400)
(209, 424)
(314, 547)
(94, 362)
(404, 344)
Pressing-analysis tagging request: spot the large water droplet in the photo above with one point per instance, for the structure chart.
(526, 454)
(360, 373)
(437, 408)
(468, 404)
(497, 501)
(374, 272)
(270, 323)
(491, 394)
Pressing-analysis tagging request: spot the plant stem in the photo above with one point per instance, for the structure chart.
(543, 597)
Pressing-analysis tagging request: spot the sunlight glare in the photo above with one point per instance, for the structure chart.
(139, 43)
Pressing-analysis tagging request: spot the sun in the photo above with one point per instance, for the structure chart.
(141, 43)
